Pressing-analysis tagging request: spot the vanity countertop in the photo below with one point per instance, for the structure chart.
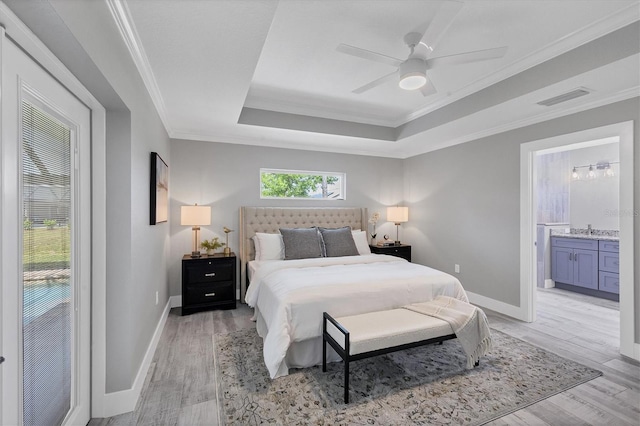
(582, 234)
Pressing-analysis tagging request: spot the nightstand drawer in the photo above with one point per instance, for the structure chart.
(209, 293)
(403, 251)
(398, 251)
(209, 271)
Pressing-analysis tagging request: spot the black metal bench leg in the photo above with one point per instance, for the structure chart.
(346, 380)
(324, 356)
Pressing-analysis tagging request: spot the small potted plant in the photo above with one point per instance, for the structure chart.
(211, 245)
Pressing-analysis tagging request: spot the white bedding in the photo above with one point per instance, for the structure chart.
(291, 295)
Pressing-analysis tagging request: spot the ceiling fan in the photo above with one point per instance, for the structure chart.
(412, 72)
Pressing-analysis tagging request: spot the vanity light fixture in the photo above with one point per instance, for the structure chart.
(592, 173)
(575, 175)
(609, 172)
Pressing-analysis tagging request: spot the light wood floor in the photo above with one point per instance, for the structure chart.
(180, 385)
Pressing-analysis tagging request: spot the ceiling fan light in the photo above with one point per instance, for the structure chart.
(412, 81)
(413, 74)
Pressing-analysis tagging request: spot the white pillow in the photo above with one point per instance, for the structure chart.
(268, 246)
(360, 238)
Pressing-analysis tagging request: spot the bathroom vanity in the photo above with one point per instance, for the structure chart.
(586, 263)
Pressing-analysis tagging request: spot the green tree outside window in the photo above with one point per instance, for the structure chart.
(276, 184)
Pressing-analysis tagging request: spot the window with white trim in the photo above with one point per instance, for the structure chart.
(301, 184)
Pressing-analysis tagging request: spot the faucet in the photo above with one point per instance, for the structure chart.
(589, 230)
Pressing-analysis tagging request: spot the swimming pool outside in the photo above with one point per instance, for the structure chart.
(40, 297)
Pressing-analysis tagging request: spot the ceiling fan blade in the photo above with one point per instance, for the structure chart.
(462, 58)
(428, 89)
(376, 82)
(367, 54)
(440, 23)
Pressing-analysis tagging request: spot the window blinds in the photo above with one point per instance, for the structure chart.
(47, 315)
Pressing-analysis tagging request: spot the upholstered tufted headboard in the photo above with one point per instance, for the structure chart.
(271, 219)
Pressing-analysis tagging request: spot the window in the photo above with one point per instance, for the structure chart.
(288, 184)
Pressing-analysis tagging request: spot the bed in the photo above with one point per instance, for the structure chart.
(289, 296)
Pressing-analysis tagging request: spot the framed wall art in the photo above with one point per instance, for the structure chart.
(159, 189)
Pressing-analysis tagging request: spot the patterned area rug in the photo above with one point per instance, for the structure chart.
(425, 385)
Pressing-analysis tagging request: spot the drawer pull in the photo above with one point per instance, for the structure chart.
(209, 294)
(210, 274)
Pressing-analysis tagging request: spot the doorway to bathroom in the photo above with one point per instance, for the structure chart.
(577, 200)
(531, 297)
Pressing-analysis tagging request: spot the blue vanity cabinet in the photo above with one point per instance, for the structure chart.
(609, 268)
(574, 261)
(562, 264)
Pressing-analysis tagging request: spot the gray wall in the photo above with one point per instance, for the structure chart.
(465, 203)
(134, 246)
(84, 37)
(227, 177)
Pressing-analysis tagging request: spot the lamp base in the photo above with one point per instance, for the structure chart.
(398, 243)
(227, 251)
(195, 254)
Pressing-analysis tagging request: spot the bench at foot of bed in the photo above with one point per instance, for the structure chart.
(376, 333)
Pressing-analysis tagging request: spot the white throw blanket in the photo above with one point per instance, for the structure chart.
(468, 322)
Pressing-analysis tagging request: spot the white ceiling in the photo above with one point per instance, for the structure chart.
(273, 65)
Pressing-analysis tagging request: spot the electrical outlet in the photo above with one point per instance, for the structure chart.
(157, 299)
(457, 268)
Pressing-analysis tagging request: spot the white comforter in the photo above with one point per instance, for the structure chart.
(291, 295)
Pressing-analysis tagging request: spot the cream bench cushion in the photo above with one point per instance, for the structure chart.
(385, 329)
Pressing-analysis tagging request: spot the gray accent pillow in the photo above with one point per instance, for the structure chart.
(301, 243)
(338, 242)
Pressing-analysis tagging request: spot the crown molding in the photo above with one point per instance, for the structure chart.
(122, 17)
(279, 143)
(398, 151)
(535, 119)
(332, 113)
(603, 26)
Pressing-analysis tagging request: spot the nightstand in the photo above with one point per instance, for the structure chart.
(402, 250)
(208, 282)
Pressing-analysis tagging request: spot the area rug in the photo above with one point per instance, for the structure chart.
(426, 385)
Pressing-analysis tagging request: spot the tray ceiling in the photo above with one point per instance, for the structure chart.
(268, 73)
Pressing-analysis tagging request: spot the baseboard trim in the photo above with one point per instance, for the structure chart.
(124, 401)
(176, 301)
(497, 306)
(636, 351)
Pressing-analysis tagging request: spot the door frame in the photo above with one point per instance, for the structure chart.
(22, 36)
(624, 133)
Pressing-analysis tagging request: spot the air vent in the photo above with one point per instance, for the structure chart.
(576, 93)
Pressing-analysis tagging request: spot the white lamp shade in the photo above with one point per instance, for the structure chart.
(195, 215)
(398, 214)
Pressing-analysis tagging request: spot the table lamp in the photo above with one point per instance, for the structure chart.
(397, 215)
(195, 216)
